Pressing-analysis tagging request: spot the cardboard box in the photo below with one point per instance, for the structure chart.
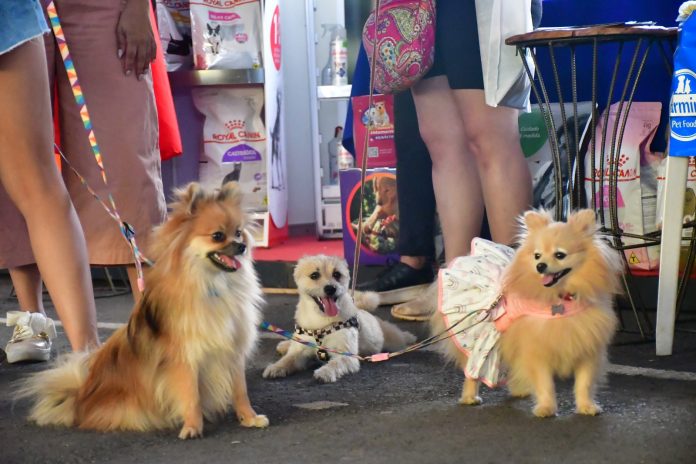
(380, 215)
(382, 150)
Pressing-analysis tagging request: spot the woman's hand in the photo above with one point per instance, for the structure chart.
(136, 42)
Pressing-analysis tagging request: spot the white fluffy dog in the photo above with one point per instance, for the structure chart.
(327, 315)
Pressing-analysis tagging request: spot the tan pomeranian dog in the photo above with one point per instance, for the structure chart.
(181, 358)
(327, 315)
(558, 321)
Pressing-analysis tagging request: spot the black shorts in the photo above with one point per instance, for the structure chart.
(457, 53)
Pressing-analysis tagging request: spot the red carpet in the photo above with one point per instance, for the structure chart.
(296, 247)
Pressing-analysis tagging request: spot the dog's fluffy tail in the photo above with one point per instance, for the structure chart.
(369, 301)
(394, 338)
(54, 390)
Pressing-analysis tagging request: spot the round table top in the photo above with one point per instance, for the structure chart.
(588, 34)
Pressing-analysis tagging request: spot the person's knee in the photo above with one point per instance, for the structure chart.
(491, 146)
(441, 139)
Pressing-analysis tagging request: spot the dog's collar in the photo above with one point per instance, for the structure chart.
(319, 334)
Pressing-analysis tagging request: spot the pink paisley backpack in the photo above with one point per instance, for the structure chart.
(405, 40)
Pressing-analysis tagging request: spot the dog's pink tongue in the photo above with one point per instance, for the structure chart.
(546, 279)
(230, 261)
(330, 307)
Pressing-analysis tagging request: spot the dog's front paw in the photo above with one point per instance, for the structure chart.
(544, 410)
(259, 421)
(326, 374)
(283, 347)
(274, 371)
(191, 431)
(470, 400)
(589, 409)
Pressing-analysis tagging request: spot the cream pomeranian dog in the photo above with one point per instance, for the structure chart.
(327, 315)
(553, 316)
(183, 353)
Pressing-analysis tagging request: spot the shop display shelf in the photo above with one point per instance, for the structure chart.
(333, 92)
(227, 77)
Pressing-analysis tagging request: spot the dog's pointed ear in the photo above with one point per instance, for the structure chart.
(230, 193)
(188, 198)
(583, 221)
(534, 220)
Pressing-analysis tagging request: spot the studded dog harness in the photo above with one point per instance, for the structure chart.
(319, 334)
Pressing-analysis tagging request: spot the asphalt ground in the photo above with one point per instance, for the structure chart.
(401, 411)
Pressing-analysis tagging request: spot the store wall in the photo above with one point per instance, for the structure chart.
(297, 123)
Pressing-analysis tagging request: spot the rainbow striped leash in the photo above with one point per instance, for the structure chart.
(126, 229)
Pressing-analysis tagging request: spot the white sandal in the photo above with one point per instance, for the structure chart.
(31, 338)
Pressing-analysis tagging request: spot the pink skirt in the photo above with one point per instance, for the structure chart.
(124, 118)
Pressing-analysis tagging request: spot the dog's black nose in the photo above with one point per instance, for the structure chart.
(241, 248)
(330, 290)
(541, 267)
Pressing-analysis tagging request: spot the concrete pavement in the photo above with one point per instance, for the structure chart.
(403, 411)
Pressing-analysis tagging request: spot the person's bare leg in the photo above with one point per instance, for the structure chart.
(455, 176)
(456, 183)
(492, 137)
(30, 176)
(28, 288)
(416, 262)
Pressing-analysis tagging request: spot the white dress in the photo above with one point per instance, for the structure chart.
(469, 293)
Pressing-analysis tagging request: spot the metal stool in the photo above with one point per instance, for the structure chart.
(634, 41)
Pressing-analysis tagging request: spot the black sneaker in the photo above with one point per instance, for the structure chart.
(399, 282)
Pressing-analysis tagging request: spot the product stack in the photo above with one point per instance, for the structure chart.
(238, 145)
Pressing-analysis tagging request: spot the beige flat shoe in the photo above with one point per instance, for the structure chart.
(420, 309)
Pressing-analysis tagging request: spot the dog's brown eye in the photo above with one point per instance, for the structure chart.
(218, 237)
(537, 255)
(238, 233)
(337, 275)
(315, 275)
(559, 255)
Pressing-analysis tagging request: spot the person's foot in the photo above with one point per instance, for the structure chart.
(31, 338)
(418, 309)
(399, 282)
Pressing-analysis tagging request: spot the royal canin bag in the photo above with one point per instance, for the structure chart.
(405, 41)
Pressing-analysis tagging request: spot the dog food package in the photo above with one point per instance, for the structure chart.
(634, 161)
(381, 151)
(536, 146)
(174, 24)
(234, 141)
(380, 215)
(227, 34)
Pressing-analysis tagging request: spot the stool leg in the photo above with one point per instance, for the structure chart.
(675, 182)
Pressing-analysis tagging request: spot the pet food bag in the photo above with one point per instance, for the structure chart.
(227, 35)
(635, 195)
(536, 146)
(682, 109)
(380, 215)
(234, 141)
(174, 24)
(382, 150)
